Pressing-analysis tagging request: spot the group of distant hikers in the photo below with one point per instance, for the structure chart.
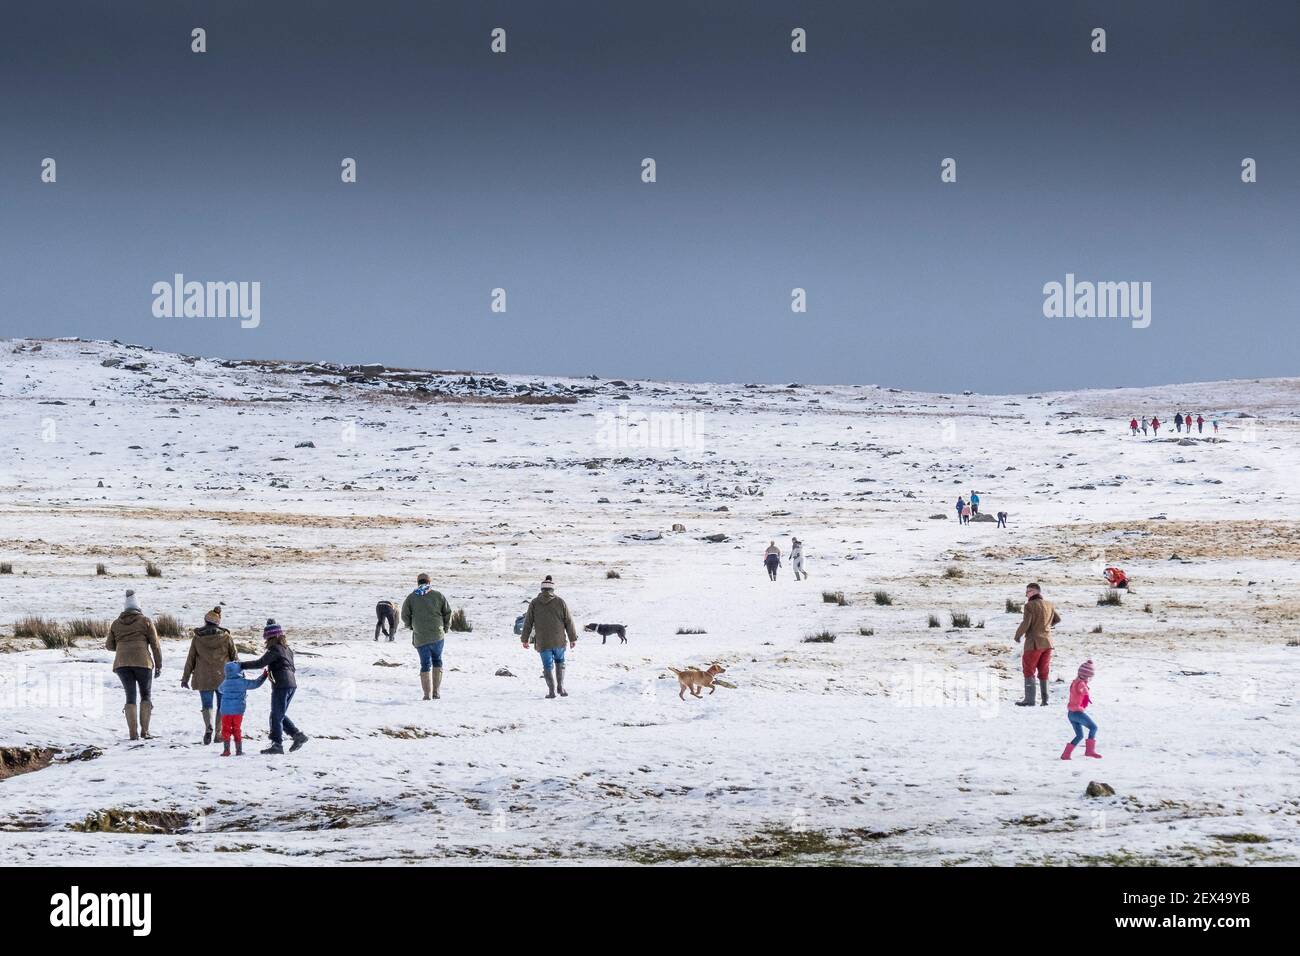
(213, 668)
(967, 510)
(1182, 422)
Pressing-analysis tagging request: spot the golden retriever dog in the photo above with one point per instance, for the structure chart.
(692, 679)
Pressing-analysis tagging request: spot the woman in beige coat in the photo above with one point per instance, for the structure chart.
(211, 648)
(138, 660)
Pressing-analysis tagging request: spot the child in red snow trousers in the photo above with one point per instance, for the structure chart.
(1080, 721)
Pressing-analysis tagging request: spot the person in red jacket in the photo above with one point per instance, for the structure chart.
(1133, 426)
(1155, 425)
(1200, 423)
(1116, 578)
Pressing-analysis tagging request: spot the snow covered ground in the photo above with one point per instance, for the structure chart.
(897, 743)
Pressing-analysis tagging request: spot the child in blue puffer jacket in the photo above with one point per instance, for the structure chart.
(233, 691)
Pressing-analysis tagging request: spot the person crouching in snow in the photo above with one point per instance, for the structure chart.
(1036, 628)
(233, 696)
(284, 683)
(548, 622)
(1116, 578)
(1079, 700)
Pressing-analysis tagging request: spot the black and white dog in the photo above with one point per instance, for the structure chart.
(604, 630)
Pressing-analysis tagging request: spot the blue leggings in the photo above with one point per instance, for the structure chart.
(1081, 722)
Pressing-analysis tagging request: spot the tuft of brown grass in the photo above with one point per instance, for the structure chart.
(88, 627)
(821, 637)
(6, 567)
(46, 630)
(834, 597)
(1111, 598)
(459, 622)
(101, 569)
(152, 570)
(612, 575)
(168, 625)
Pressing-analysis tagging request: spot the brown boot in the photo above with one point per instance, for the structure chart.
(437, 683)
(146, 710)
(129, 710)
(426, 683)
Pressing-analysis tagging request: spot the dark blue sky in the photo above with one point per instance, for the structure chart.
(775, 171)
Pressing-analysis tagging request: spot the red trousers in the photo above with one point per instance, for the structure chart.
(232, 725)
(1037, 660)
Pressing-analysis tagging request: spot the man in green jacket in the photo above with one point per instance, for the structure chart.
(548, 622)
(428, 615)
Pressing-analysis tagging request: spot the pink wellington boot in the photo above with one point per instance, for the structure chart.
(1069, 749)
(1091, 749)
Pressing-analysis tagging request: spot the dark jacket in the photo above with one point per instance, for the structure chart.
(278, 659)
(548, 622)
(428, 615)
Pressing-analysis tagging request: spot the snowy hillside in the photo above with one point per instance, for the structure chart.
(306, 492)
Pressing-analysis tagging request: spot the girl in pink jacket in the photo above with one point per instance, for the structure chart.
(1079, 700)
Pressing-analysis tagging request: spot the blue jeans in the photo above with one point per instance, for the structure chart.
(1081, 722)
(552, 655)
(205, 697)
(430, 655)
(280, 722)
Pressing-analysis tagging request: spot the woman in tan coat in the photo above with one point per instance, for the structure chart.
(138, 660)
(211, 648)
